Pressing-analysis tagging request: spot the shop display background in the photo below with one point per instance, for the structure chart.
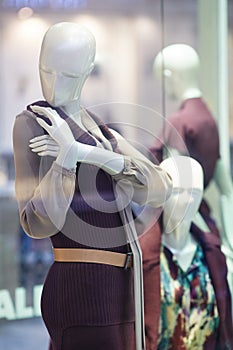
(129, 34)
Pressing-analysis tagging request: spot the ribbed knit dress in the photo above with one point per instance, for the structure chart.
(82, 294)
(85, 306)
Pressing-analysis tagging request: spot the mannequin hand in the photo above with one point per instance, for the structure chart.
(44, 145)
(58, 130)
(62, 136)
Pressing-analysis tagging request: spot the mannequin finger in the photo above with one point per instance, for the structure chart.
(46, 111)
(44, 125)
(36, 109)
(43, 139)
(48, 142)
(39, 149)
(43, 112)
(48, 153)
(52, 148)
(40, 137)
(38, 143)
(39, 109)
(45, 147)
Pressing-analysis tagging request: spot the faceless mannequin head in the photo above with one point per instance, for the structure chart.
(66, 59)
(179, 63)
(183, 204)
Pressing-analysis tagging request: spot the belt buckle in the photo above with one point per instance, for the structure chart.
(128, 258)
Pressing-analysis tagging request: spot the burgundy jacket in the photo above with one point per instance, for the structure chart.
(192, 131)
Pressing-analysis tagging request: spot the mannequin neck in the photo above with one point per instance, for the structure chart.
(179, 237)
(183, 87)
(72, 109)
(193, 92)
(182, 245)
(187, 91)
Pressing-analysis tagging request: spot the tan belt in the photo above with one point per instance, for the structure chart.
(93, 256)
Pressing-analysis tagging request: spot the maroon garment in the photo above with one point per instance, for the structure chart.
(192, 130)
(216, 262)
(92, 303)
(108, 337)
(150, 243)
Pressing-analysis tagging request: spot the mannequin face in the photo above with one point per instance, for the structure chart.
(66, 60)
(183, 204)
(181, 207)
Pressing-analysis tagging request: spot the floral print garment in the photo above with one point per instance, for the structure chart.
(189, 313)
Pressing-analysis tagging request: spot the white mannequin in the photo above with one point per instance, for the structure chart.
(181, 207)
(67, 56)
(180, 64)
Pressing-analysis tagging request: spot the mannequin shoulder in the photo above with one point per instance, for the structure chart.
(26, 124)
(25, 115)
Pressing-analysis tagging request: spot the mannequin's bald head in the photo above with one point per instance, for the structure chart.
(66, 59)
(178, 57)
(183, 203)
(180, 65)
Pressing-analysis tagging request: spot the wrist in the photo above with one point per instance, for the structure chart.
(67, 156)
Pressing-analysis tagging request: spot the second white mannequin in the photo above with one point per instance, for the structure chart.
(181, 207)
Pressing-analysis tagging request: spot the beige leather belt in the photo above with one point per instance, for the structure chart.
(93, 256)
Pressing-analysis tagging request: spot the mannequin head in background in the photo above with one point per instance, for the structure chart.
(179, 64)
(66, 59)
(182, 206)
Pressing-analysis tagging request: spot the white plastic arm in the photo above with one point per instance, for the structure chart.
(70, 151)
(145, 182)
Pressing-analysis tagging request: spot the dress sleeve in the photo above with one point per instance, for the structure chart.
(44, 190)
(150, 184)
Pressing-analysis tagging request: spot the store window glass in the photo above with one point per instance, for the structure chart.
(123, 89)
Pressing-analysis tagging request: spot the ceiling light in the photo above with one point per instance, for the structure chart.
(25, 12)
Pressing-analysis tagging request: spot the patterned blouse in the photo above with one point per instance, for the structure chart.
(189, 313)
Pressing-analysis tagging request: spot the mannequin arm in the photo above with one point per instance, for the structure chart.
(43, 202)
(71, 151)
(110, 162)
(224, 183)
(144, 182)
(151, 183)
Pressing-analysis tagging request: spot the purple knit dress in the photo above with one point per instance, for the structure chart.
(88, 306)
